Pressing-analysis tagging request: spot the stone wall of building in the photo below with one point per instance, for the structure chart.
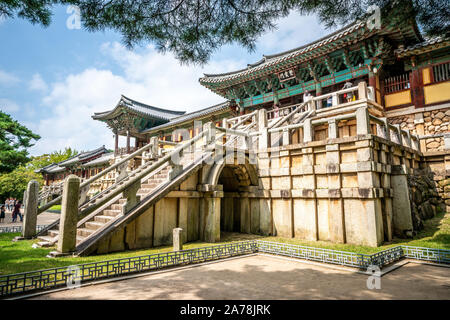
(432, 122)
(361, 190)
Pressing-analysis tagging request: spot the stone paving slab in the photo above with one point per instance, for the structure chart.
(264, 277)
(43, 219)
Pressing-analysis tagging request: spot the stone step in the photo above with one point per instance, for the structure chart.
(53, 233)
(103, 219)
(47, 238)
(110, 212)
(80, 239)
(94, 225)
(84, 232)
(116, 206)
(122, 200)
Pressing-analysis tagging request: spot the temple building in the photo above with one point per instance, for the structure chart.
(345, 139)
(83, 165)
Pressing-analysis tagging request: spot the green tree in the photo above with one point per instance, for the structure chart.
(54, 157)
(194, 29)
(14, 183)
(15, 139)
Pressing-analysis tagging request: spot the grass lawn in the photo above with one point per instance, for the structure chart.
(18, 257)
(56, 207)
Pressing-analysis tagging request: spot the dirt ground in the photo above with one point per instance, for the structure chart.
(265, 277)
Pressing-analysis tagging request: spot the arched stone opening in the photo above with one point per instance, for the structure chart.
(233, 209)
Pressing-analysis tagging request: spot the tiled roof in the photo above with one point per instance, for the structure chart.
(270, 60)
(427, 45)
(140, 108)
(191, 116)
(104, 158)
(83, 156)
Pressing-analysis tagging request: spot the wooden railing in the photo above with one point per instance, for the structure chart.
(441, 72)
(397, 83)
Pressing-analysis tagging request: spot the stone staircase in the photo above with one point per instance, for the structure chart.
(104, 216)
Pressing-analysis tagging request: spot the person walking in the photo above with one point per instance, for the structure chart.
(2, 213)
(16, 212)
(7, 204)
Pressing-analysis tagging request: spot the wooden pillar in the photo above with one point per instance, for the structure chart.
(116, 143)
(417, 94)
(128, 141)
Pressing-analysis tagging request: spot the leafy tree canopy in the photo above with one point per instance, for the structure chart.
(194, 29)
(14, 183)
(54, 157)
(15, 139)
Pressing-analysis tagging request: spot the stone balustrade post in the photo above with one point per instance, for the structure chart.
(335, 100)
(130, 194)
(362, 90)
(69, 215)
(447, 141)
(384, 129)
(398, 134)
(154, 147)
(362, 121)
(286, 137)
(30, 212)
(308, 131)
(333, 129)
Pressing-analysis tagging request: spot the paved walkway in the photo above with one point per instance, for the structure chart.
(43, 219)
(264, 277)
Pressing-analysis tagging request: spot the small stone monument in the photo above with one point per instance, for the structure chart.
(177, 239)
(69, 217)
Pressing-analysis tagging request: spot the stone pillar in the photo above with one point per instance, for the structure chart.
(420, 129)
(368, 181)
(177, 239)
(402, 220)
(308, 131)
(362, 121)
(69, 215)
(333, 130)
(286, 137)
(31, 208)
(212, 220)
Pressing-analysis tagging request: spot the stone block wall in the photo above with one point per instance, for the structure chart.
(339, 190)
(426, 123)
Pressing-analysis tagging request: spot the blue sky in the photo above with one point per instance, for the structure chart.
(53, 79)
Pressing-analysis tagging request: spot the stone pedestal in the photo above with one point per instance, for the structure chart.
(177, 239)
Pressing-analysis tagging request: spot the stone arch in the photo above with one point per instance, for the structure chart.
(245, 171)
(237, 181)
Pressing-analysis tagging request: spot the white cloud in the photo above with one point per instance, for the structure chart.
(8, 78)
(148, 77)
(37, 83)
(8, 106)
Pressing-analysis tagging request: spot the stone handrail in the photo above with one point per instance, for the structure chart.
(98, 176)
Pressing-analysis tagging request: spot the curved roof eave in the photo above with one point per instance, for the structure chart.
(142, 109)
(190, 116)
